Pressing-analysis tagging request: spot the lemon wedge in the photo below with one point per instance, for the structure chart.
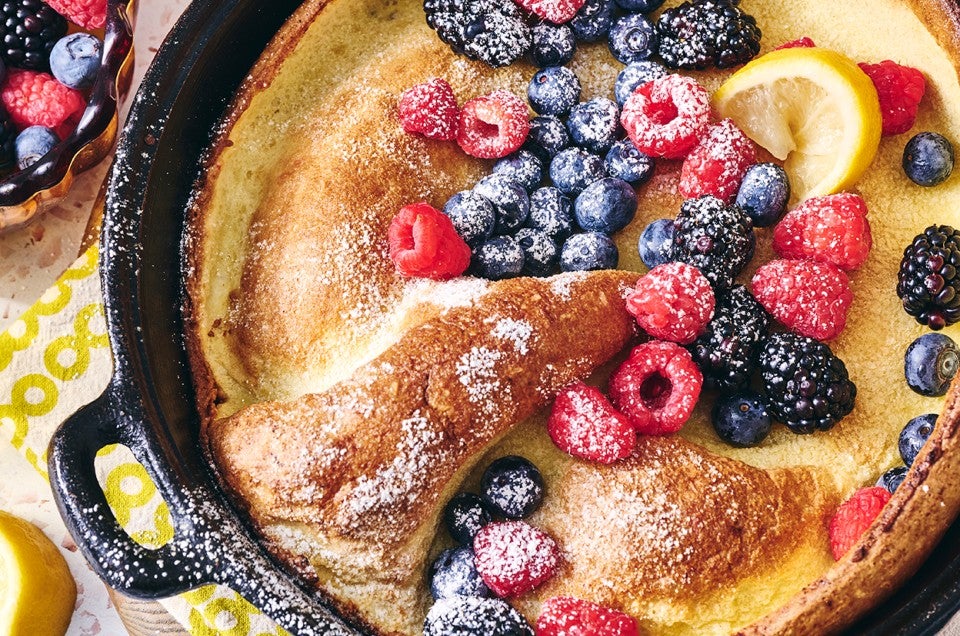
(813, 109)
(37, 592)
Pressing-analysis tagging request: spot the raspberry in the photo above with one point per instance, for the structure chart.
(717, 163)
(799, 43)
(808, 297)
(566, 616)
(37, 99)
(666, 117)
(674, 302)
(584, 424)
(854, 516)
(89, 14)
(430, 109)
(832, 229)
(493, 126)
(513, 557)
(424, 243)
(900, 89)
(556, 11)
(657, 387)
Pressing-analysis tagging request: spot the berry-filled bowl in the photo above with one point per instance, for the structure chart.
(66, 65)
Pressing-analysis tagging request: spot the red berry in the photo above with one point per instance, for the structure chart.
(494, 125)
(556, 11)
(808, 297)
(657, 387)
(854, 516)
(513, 557)
(89, 14)
(900, 89)
(584, 424)
(37, 99)
(666, 117)
(674, 302)
(424, 243)
(832, 229)
(799, 43)
(430, 109)
(716, 165)
(566, 616)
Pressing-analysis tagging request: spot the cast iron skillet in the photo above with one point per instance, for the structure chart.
(149, 405)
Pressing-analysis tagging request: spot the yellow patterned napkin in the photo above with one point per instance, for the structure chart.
(55, 359)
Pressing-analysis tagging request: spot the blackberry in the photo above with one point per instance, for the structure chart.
(492, 31)
(929, 282)
(807, 387)
(715, 238)
(727, 351)
(29, 29)
(703, 33)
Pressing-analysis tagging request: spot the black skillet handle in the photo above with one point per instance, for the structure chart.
(124, 564)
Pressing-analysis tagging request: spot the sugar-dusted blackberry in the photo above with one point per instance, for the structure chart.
(807, 387)
(727, 351)
(715, 238)
(702, 33)
(489, 30)
(29, 29)
(929, 278)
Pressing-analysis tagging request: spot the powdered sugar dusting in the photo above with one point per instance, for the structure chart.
(517, 331)
(562, 284)
(476, 370)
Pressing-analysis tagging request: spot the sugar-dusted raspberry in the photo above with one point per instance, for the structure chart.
(494, 125)
(808, 297)
(424, 243)
(674, 302)
(854, 516)
(657, 387)
(832, 229)
(37, 99)
(430, 109)
(799, 43)
(513, 557)
(717, 163)
(584, 424)
(566, 616)
(89, 14)
(556, 11)
(900, 89)
(667, 116)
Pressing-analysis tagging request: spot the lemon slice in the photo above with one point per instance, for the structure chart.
(37, 592)
(812, 108)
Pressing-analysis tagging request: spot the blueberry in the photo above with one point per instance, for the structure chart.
(741, 419)
(539, 252)
(632, 38)
(592, 21)
(574, 169)
(547, 137)
(636, 75)
(588, 251)
(928, 159)
(471, 616)
(553, 44)
(656, 242)
(892, 479)
(32, 144)
(593, 125)
(472, 216)
(513, 486)
(606, 206)
(523, 166)
(931, 363)
(639, 6)
(498, 258)
(454, 574)
(509, 199)
(464, 515)
(551, 212)
(75, 60)
(764, 193)
(625, 162)
(914, 435)
(553, 90)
